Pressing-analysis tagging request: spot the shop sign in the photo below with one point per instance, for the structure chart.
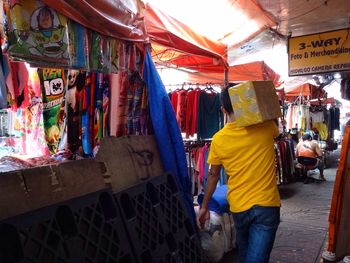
(319, 53)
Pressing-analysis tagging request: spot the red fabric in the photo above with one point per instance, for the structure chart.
(189, 113)
(181, 109)
(192, 111)
(174, 99)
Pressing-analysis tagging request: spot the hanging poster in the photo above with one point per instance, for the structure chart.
(75, 96)
(98, 113)
(85, 118)
(52, 82)
(105, 104)
(37, 33)
(318, 53)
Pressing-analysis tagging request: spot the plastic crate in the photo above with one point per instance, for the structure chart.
(84, 229)
(177, 219)
(158, 226)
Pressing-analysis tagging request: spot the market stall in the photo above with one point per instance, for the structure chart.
(66, 89)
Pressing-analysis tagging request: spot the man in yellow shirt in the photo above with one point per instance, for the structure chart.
(248, 157)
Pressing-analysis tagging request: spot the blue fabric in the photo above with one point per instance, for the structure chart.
(80, 60)
(3, 90)
(223, 177)
(255, 233)
(167, 132)
(218, 203)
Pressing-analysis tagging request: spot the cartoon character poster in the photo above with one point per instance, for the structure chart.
(52, 82)
(85, 118)
(75, 97)
(98, 113)
(37, 33)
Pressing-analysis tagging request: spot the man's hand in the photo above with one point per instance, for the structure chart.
(202, 217)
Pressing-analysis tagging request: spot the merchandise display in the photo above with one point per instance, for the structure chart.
(105, 163)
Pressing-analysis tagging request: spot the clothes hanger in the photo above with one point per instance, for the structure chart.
(190, 87)
(209, 88)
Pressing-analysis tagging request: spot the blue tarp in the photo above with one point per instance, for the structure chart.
(167, 132)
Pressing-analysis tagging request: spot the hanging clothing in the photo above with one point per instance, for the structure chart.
(192, 111)
(210, 116)
(3, 89)
(181, 110)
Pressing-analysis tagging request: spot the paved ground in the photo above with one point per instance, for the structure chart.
(302, 234)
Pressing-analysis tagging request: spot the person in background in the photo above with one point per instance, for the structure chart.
(248, 157)
(310, 149)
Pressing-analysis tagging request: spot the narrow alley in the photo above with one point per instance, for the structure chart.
(302, 234)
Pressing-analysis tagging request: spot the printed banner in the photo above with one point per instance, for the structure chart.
(319, 53)
(37, 33)
(53, 84)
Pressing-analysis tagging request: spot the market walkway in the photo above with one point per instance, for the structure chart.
(303, 230)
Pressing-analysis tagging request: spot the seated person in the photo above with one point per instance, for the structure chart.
(309, 153)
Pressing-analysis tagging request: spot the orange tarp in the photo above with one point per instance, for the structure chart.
(175, 43)
(305, 90)
(251, 71)
(115, 18)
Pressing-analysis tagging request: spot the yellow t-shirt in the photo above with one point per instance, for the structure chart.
(248, 156)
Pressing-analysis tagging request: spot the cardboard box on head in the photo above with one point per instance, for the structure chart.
(254, 102)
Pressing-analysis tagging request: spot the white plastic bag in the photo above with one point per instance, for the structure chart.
(213, 238)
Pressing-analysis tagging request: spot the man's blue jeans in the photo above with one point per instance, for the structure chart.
(255, 233)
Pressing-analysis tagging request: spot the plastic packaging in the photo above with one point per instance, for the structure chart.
(37, 33)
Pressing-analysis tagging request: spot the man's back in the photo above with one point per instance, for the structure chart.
(248, 156)
(308, 148)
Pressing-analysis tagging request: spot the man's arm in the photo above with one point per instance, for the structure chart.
(318, 150)
(297, 150)
(212, 180)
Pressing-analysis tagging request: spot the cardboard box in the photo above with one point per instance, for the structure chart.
(254, 102)
(33, 188)
(130, 159)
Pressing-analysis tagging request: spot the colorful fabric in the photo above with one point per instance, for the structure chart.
(322, 129)
(135, 94)
(85, 117)
(37, 33)
(98, 113)
(53, 83)
(105, 105)
(3, 90)
(248, 157)
(77, 40)
(122, 104)
(75, 98)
